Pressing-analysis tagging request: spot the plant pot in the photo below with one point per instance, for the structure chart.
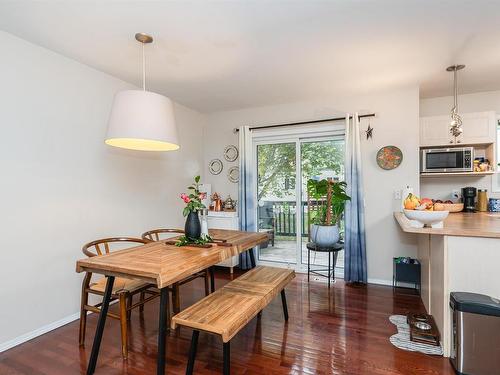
(325, 235)
(192, 228)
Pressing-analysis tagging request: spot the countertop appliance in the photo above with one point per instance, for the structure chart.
(475, 332)
(453, 159)
(469, 197)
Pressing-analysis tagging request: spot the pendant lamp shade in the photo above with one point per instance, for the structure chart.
(142, 120)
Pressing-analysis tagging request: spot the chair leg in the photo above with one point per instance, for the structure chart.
(283, 302)
(192, 352)
(83, 323)
(226, 349)
(129, 305)
(123, 323)
(207, 282)
(176, 298)
(141, 299)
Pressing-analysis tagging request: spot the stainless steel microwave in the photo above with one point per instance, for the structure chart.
(453, 159)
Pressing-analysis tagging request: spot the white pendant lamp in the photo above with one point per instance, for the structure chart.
(142, 120)
(456, 120)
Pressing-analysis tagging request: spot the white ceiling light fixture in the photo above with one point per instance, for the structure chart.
(456, 120)
(140, 119)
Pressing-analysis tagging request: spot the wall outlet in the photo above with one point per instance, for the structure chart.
(456, 194)
(397, 194)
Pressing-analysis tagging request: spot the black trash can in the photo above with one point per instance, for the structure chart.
(475, 343)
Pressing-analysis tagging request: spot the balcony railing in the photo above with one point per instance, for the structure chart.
(282, 217)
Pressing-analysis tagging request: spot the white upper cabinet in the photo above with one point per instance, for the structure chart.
(478, 127)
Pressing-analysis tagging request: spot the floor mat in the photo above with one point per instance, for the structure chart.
(402, 340)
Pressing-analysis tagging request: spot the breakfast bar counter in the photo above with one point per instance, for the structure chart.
(463, 256)
(468, 224)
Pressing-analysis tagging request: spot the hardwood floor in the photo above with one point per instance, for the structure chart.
(344, 331)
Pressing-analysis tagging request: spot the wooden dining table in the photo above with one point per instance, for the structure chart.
(162, 264)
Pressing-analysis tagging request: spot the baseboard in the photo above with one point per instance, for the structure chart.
(42, 330)
(380, 282)
(38, 332)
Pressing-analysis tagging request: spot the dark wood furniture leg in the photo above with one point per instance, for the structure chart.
(100, 325)
(162, 332)
(226, 348)
(283, 302)
(176, 298)
(192, 352)
(212, 279)
(252, 258)
(124, 302)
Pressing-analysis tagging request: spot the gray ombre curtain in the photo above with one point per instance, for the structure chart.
(355, 242)
(246, 198)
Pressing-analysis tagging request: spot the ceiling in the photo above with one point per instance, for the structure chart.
(219, 55)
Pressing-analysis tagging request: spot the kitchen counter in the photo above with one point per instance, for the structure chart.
(463, 256)
(464, 224)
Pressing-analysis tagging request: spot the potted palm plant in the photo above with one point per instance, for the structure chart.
(330, 200)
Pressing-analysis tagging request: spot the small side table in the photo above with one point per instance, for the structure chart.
(406, 273)
(332, 255)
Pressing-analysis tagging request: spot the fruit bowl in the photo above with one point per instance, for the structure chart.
(452, 207)
(423, 218)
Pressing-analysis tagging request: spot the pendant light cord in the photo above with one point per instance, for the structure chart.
(455, 91)
(143, 68)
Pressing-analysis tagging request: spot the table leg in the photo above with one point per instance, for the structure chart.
(212, 279)
(226, 349)
(162, 332)
(100, 325)
(283, 302)
(252, 258)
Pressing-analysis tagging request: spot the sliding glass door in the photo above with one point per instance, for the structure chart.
(283, 166)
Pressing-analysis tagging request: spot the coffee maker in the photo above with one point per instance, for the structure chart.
(469, 197)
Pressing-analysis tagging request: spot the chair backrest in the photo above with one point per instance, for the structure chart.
(160, 234)
(102, 246)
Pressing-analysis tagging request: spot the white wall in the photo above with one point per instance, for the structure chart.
(396, 124)
(62, 186)
(478, 102)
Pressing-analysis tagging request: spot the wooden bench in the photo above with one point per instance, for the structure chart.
(226, 311)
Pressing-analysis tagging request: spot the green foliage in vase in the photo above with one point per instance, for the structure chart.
(330, 212)
(185, 241)
(193, 198)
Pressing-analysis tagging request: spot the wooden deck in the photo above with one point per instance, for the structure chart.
(345, 331)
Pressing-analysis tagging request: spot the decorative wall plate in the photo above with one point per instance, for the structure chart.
(233, 174)
(389, 157)
(215, 166)
(231, 153)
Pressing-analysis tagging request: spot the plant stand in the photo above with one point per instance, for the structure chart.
(332, 258)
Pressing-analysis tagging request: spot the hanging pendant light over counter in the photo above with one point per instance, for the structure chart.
(142, 120)
(456, 120)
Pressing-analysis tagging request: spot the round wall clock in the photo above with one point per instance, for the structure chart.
(389, 157)
(215, 166)
(233, 174)
(230, 153)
